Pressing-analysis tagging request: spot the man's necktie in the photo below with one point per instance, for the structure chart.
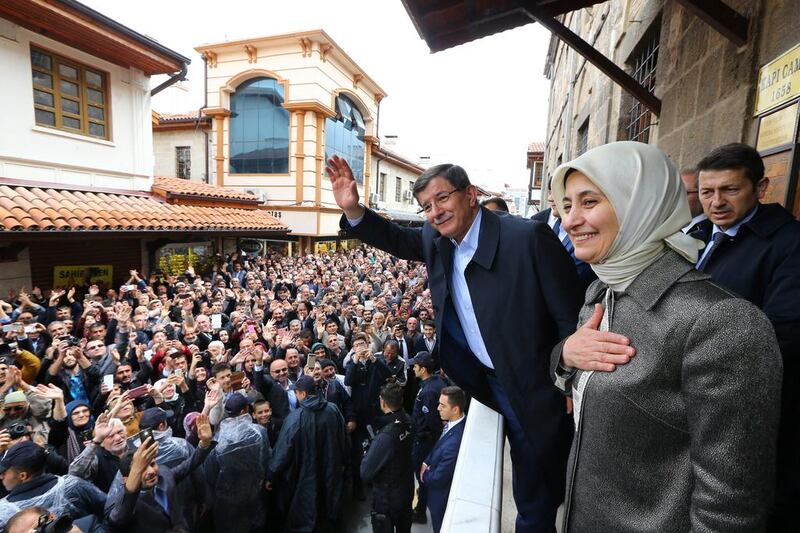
(716, 241)
(444, 430)
(565, 242)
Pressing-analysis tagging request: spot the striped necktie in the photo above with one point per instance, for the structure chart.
(715, 243)
(565, 242)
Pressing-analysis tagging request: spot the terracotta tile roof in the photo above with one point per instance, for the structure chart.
(164, 186)
(41, 209)
(536, 147)
(190, 116)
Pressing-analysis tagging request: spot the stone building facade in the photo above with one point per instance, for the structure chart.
(708, 85)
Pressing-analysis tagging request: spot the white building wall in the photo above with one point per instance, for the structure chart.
(393, 171)
(164, 144)
(31, 152)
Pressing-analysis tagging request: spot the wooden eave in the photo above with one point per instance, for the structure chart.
(78, 26)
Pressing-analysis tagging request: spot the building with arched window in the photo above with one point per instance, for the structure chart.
(279, 107)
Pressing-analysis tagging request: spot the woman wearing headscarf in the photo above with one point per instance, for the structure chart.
(680, 435)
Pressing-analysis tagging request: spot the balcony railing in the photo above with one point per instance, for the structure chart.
(476, 493)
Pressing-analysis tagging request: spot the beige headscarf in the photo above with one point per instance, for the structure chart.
(647, 193)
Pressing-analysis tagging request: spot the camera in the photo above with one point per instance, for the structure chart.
(72, 341)
(17, 430)
(54, 524)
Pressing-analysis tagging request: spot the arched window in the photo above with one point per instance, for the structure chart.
(259, 139)
(344, 136)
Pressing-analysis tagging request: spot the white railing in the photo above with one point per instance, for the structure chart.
(476, 493)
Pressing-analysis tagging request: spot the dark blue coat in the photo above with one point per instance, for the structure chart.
(427, 422)
(441, 466)
(526, 295)
(762, 264)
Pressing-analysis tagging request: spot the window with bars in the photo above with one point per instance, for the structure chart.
(183, 162)
(382, 187)
(69, 96)
(398, 189)
(644, 64)
(583, 138)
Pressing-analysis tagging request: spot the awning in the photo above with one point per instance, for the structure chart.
(447, 23)
(54, 210)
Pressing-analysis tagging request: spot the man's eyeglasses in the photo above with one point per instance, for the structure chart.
(440, 199)
(14, 409)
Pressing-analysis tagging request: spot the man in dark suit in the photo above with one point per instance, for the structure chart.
(551, 217)
(147, 499)
(436, 472)
(754, 250)
(497, 283)
(427, 342)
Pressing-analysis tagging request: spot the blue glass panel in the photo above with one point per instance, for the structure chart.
(344, 136)
(259, 128)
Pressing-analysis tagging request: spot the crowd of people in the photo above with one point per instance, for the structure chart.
(643, 366)
(238, 399)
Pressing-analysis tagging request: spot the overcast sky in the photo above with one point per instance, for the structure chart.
(477, 105)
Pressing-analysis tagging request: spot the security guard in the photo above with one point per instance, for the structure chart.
(427, 423)
(387, 464)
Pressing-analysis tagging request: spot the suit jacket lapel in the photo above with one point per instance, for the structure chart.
(445, 248)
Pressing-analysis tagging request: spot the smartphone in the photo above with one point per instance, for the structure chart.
(236, 380)
(145, 434)
(30, 328)
(130, 288)
(138, 392)
(108, 380)
(312, 360)
(179, 372)
(9, 327)
(216, 321)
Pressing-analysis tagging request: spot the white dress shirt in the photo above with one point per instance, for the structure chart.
(551, 221)
(450, 425)
(462, 301)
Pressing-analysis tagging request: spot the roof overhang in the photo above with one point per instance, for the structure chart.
(447, 23)
(81, 27)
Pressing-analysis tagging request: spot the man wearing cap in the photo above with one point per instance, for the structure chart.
(148, 496)
(331, 389)
(311, 449)
(171, 450)
(388, 465)
(236, 470)
(427, 422)
(22, 472)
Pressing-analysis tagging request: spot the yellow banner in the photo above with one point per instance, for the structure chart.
(82, 275)
(778, 81)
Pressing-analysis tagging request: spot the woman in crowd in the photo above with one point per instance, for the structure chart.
(681, 435)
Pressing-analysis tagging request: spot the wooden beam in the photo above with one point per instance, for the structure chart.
(721, 17)
(593, 56)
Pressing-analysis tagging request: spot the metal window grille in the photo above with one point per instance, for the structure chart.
(644, 71)
(583, 138)
(183, 162)
(382, 187)
(398, 189)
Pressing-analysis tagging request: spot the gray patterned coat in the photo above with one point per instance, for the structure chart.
(682, 438)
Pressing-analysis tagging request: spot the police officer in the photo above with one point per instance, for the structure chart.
(388, 465)
(427, 423)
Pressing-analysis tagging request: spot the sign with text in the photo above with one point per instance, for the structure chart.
(82, 275)
(778, 81)
(777, 128)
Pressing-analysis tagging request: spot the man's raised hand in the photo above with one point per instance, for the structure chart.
(345, 188)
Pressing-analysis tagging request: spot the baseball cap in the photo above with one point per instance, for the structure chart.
(236, 403)
(423, 358)
(153, 417)
(24, 454)
(305, 384)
